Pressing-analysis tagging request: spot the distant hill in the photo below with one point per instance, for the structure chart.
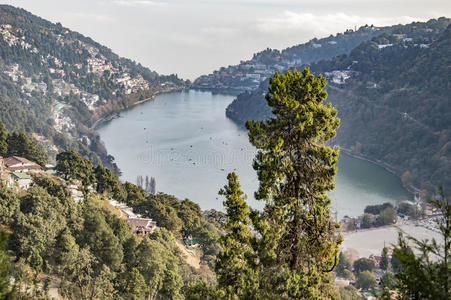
(57, 84)
(247, 75)
(393, 94)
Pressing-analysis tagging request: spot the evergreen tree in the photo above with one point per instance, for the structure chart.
(106, 180)
(365, 280)
(235, 268)
(383, 264)
(135, 287)
(298, 247)
(153, 186)
(427, 275)
(74, 166)
(364, 264)
(3, 140)
(20, 144)
(6, 291)
(343, 264)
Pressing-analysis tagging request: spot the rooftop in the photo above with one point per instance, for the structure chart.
(14, 160)
(141, 222)
(21, 175)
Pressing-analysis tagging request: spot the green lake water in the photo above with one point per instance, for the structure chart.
(186, 142)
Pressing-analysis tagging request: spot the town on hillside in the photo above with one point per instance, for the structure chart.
(80, 81)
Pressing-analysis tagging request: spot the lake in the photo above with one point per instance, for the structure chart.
(185, 141)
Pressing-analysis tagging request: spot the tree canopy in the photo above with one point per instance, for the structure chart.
(74, 166)
(297, 244)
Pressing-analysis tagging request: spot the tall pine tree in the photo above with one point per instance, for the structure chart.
(235, 267)
(298, 245)
(3, 140)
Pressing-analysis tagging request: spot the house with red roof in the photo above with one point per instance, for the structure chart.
(21, 164)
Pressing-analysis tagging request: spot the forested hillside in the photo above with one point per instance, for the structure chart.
(85, 247)
(392, 94)
(247, 75)
(57, 84)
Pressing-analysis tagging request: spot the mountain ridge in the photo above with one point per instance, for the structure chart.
(391, 93)
(62, 83)
(247, 75)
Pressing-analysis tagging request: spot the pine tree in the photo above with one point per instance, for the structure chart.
(3, 140)
(6, 291)
(235, 270)
(383, 264)
(153, 185)
(20, 144)
(74, 166)
(298, 245)
(426, 275)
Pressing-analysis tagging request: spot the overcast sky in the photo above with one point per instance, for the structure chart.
(195, 37)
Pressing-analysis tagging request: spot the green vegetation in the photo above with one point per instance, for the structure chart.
(365, 280)
(293, 248)
(183, 218)
(349, 293)
(235, 267)
(394, 105)
(90, 250)
(20, 144)
(379, 215)
(6, 290)
(343, 265)
(420, 269)
(364, 264)
(234, 79)
(75, 166)
(93, 252)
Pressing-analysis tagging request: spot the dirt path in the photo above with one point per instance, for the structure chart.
(192, 259)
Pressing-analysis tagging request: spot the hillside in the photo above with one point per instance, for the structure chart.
(247, 75)
(58, 84)
(69, 238)
(392, 94)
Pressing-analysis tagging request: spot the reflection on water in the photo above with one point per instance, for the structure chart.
(185, 141)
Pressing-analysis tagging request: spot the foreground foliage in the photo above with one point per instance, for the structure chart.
(424, 271)
(294, 245)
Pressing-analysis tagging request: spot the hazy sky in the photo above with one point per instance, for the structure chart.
(194, 37)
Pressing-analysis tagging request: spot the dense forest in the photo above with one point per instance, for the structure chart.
(392, 93)
(58, 84)
(88, 245)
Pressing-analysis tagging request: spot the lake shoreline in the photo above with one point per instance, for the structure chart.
(190, 137)
(116, 115)
(389, 168)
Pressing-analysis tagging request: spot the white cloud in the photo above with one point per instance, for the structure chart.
(138, 3)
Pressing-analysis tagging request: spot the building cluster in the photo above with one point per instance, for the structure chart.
(340, 76)
(96, 63)
(247, 75)
(8, 36)
(16, 171)
(406, 42)
(28, 84)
